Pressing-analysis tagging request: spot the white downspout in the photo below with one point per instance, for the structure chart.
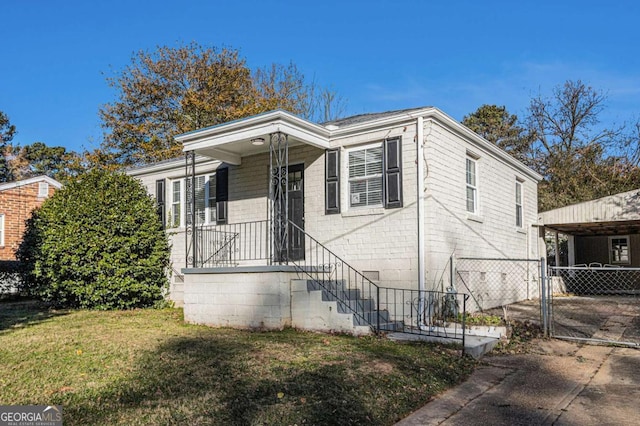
(420, 208)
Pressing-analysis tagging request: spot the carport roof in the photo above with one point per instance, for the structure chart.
(616, 214)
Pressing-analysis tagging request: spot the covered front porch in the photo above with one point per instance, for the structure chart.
(259, 200)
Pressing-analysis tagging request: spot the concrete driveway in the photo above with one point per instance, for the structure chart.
(554, 383)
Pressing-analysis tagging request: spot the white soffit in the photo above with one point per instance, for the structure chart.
(234, 138)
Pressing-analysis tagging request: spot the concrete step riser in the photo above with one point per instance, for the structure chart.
(329, 285)
(347, 307)
(345, 295)
(350, 300)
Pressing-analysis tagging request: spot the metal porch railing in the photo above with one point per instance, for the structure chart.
(229, 244)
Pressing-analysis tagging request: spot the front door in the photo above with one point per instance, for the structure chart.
(295, 211)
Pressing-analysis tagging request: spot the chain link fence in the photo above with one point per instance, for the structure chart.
(493, 283)
(595, 303)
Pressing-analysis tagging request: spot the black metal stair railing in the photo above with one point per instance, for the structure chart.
(424, 312)
(427, 312)
(353, 292)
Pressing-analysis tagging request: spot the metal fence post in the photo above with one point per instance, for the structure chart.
(378, 310)
(464, 320)
(543, 297)
(451, 273)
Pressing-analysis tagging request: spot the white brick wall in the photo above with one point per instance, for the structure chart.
(450, 229)
(386, 240)
(242, 300)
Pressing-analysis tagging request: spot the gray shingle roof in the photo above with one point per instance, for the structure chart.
(363, 118)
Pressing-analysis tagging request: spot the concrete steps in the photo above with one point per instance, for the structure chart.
(340, 302)
(351, 301)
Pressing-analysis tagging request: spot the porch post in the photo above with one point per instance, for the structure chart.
(556, 243)
(278, 195)
(191, 240)
(571, 250)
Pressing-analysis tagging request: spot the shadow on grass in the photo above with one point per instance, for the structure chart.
(223, 380)
(24, 313)
(209, 381)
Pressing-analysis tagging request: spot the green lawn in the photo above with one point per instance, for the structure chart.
(148, 367)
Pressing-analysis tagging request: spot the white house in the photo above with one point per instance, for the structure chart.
(369, 209)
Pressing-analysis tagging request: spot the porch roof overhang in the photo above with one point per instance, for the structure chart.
(617, 214)
(229, 142)
(624, 227)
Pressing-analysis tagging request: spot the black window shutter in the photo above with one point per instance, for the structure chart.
(222, 195)
(160, 201)
(393, 173)
(332, 181)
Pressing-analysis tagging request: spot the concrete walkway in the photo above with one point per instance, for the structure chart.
(555, 383)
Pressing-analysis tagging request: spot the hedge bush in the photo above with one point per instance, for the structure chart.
(96, 243)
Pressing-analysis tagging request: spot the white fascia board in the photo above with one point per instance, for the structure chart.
(481, 143)
(257, 126)
(303, 134)
(42, 178)
(161, 166)
(369, 126)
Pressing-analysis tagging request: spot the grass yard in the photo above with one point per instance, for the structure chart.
(148, 367)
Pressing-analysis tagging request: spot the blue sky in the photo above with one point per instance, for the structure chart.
(379, 55)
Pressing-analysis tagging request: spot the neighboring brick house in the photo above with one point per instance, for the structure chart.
(17, 200)
(374, 205)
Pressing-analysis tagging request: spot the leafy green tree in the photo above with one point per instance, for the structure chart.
(96, 243)
(562, 139)
(497, 125)
(7, 131)
(40, 159)
(176, 90)
(579, 159)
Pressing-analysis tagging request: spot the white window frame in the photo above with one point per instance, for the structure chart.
(2, 216)
(179, 204)
(612, 256)
(43, 189)
(209, 211)
(519, 204)
(473, 186)
(210, 199)
(365, 177)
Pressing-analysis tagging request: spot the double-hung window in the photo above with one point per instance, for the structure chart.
(176, 204)
(519, 204)
(365, 176)
(619, 250)
(211, 199)
(472, 185)
(205, 202)
(374, 177)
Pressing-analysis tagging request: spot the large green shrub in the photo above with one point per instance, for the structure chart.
(97, 243)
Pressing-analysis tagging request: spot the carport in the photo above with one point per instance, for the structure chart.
(595, 282)
(602, 232)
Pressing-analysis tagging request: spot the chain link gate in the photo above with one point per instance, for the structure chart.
(595, 304)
